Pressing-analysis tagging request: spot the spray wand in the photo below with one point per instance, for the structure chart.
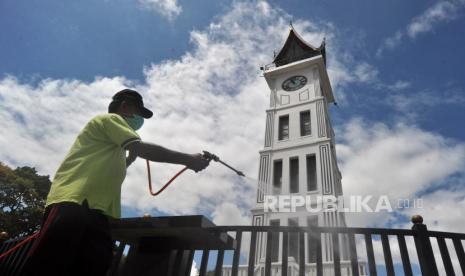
(211, 156)
(207, 155)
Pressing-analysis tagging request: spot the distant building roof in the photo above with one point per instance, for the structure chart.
(296, 48)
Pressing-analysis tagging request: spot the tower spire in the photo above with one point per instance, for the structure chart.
(296, 48)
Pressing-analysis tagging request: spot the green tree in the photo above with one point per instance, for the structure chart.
(22, 199)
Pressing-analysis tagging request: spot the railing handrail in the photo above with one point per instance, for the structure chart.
(342, 230)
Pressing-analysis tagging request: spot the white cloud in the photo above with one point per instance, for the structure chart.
(230, 214)
(39, 123)
(443, 208)
(344, 70)
(194, 270)
(366, 73)
(440, 12)
(399, 85)
(211, 98)
(391, 42)
(412, 105)
(402, 162)
(168, 8)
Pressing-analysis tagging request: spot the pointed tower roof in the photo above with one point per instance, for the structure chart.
(296, 48)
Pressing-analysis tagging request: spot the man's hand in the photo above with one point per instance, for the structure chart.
(197, 162)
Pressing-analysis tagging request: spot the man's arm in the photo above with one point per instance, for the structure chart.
(158, 153)
(130, 158)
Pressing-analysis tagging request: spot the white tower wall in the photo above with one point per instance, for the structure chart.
(320, 144)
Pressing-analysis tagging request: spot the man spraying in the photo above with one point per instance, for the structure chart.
(86, 190)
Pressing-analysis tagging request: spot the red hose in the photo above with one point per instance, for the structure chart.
(151, 192)
(167, 183)
(19, 244)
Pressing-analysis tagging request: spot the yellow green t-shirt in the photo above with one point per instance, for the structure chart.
(95, 166)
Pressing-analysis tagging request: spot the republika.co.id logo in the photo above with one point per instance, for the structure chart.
(353, 204)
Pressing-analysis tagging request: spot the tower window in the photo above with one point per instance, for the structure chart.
(305, 126)
(277, 176)
(274, 242)
(294, 174)
(283, 127)
(311, 173)
(312, 221)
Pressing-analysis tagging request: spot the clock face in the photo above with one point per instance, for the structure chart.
(293, 83)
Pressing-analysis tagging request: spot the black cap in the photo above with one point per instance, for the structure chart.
(135, 97)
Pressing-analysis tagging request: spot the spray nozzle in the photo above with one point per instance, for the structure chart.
(211, 156)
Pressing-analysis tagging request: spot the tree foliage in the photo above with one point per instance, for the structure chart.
(22, 199)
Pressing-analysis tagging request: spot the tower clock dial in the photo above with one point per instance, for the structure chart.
(293, 83)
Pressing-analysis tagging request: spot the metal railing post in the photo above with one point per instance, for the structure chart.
(424, 249)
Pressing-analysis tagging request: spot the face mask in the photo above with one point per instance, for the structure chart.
(135, 122)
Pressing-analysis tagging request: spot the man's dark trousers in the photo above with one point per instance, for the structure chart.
(74, 240)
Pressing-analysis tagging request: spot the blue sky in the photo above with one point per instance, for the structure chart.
(395, 67)
(85, 39)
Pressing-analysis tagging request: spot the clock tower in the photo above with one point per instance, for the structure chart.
(299, 157)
